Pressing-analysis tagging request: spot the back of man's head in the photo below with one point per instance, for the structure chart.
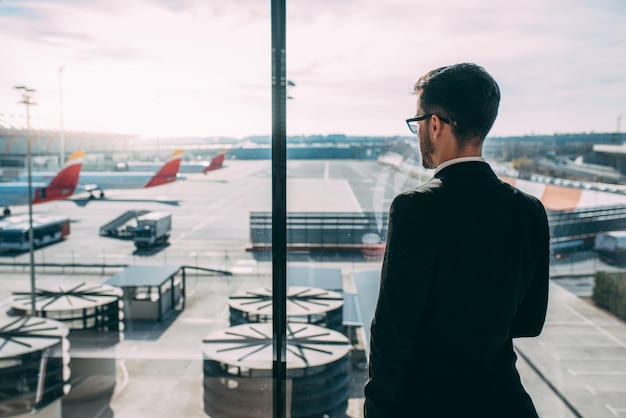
(466, 94)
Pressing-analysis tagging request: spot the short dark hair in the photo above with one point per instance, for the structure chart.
(466, 94)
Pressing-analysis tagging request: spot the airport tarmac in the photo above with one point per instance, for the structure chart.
(576, 368)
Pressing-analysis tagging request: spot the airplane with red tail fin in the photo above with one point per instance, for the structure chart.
(185, 166)
(169, 171)
(60, 186)
(92, 181)
(216, 163)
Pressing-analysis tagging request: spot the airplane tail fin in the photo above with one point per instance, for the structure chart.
(167, 173)
(216, 163)
(64, 183)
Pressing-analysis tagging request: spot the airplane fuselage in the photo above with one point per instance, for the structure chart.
(102, 180)
(17, 193)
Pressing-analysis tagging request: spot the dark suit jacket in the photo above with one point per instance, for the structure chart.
(465, 271)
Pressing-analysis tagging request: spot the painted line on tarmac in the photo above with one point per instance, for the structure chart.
(119, 387)
(243, 193)
(598, 327)
(615, 411)
(547, 381)
(596, 372)
(606, 389)
(576, 345)
(559, 357)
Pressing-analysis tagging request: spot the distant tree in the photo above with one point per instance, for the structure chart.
(524, 165)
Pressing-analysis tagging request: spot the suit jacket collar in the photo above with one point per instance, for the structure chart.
(465, 169)
(458, 160)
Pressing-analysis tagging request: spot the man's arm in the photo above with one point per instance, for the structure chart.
(405, 282)
(531, 313)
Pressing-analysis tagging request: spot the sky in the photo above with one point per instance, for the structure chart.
(163, 68)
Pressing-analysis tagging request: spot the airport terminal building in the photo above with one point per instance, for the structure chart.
(50, 145)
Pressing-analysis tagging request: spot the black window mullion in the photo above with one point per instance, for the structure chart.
(279, 207)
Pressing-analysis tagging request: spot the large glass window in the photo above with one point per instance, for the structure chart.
(246, 117)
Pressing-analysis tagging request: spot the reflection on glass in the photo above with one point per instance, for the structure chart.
(133, 82)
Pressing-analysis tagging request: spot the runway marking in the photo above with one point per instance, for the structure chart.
(615, 411)
(581, 330)
(596, 372)
(559, 357)
(119, 387)
(610, 389)
(574, 345)
(326, 170)
(243, 193)
(596, 326)
(352, 196)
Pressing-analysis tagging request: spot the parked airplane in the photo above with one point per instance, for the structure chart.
(91, 181)
(216, 163)
(185, 166)
(59, 186)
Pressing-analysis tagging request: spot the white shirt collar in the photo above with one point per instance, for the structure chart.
(456, 161)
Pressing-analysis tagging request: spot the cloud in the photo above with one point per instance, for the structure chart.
(204, 66)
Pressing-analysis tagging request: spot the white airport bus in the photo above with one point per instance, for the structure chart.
(46, 230)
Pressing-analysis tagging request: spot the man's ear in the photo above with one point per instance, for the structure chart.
(435, 125)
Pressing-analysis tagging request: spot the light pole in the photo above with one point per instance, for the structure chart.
(61, 127)
(26, 100)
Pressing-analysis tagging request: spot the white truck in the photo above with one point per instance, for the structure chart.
(153, 228)
(611, 247)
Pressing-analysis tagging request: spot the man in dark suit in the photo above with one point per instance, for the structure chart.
(465, 269)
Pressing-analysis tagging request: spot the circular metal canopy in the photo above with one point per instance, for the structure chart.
(23, 335)
(67, 297)
(250, 346)
(300, 301)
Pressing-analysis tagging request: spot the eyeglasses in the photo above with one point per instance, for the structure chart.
(414, 127)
